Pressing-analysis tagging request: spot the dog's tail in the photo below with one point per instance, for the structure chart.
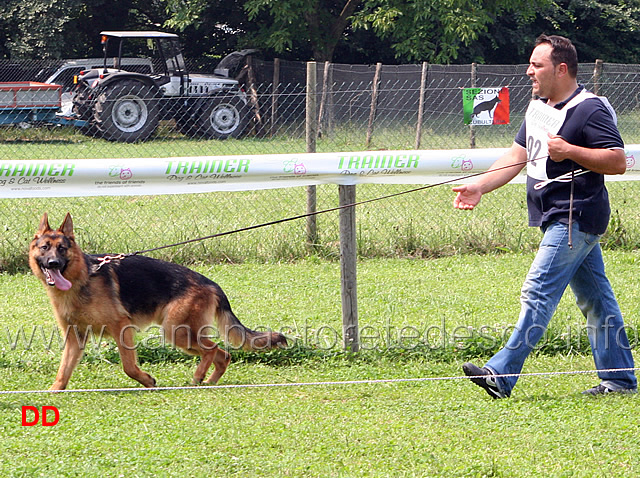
(237, 335)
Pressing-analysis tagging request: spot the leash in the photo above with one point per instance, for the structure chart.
(569, 176)
(108, 258)
(571, 207)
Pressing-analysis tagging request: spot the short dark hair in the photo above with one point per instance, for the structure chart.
(562, 51)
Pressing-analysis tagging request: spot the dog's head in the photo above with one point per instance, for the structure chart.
(51, 251)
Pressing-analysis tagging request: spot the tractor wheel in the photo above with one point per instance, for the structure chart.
(222, 117)
(127, 111)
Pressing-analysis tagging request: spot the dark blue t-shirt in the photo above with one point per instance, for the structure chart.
(589, 124)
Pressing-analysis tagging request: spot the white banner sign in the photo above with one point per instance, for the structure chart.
(142, 176)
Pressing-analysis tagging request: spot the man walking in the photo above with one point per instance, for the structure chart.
(569, 140)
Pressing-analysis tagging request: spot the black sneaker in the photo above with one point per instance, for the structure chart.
(483, 377)
(603, 390)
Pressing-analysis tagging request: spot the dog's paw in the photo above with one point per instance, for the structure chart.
(57, 387)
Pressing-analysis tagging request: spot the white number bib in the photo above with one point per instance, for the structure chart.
(543, 120)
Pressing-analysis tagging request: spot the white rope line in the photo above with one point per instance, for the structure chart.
(308, 384)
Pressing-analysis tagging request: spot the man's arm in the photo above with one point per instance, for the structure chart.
(500, 173)
(601, 161)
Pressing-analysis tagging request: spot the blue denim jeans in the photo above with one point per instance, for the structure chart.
(554, 268)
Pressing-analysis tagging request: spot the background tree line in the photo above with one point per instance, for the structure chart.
(342, 31)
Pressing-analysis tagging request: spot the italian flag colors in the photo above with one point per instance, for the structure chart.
(485, 106)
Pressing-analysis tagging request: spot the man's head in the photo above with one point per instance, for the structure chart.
(553, 67)
(562, 51)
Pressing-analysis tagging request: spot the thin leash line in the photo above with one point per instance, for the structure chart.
(337, 208)
(314, 384)
(571, 195)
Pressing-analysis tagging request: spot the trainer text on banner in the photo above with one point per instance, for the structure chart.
(143, 176)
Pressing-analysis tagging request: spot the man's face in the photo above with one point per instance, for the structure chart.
(541, 71)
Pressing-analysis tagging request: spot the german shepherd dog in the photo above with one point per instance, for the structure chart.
(120, 295)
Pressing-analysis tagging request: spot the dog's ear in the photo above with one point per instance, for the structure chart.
(66, 227)
(44, 225)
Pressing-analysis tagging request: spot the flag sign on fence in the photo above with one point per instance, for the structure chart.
(485, 105)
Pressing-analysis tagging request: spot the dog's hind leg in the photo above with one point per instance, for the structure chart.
(212, 355)
(124, 337)
(220, 359)
(209, 352)
(70, 357)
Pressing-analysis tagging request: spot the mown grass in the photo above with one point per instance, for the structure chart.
(418, 319)
(427, 428)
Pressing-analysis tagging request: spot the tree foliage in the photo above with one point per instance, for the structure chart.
(209, 28)
(436, 30)
(70, 28)
(320, 22)
(606, 29)
(36, 26)
(347, 31)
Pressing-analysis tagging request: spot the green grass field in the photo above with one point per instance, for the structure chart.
(435, 289)
(427, 428)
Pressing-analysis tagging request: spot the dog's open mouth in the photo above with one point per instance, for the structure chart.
(55, 278)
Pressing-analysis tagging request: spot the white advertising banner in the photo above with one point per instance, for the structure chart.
(149, 176)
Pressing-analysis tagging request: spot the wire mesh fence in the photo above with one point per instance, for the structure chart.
(357, 108)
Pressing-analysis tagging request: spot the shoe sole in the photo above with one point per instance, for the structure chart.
(624, 391)
(478, 379)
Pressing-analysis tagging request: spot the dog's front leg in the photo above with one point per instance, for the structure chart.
(70, 357)
(124, 338)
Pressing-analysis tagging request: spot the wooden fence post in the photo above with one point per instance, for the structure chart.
(311, 135)
(374, 104)
(474, 81)
(253, 97)
(423, 87)
(597, 75)
(274, 98)
(348, 262)
(323, 100)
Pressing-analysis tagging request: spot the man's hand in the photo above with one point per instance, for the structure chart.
(500, 173)
(468, 196)
(558, 148)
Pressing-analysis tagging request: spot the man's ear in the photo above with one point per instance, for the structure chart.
(562, 70)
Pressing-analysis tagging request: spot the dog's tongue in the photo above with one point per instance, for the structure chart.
(59, 281)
